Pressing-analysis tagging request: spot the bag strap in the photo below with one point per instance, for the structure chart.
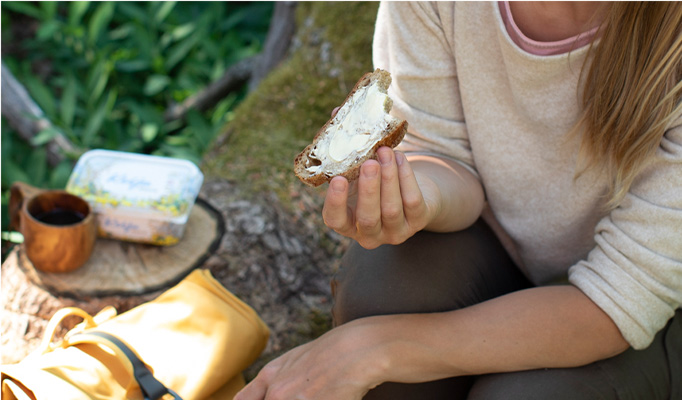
(56, 320)
(151, 388)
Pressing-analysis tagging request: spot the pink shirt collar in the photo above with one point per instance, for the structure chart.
(542, 48)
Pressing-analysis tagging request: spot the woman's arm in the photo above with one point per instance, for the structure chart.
(459, 192)
(545, 327)
(395, 199)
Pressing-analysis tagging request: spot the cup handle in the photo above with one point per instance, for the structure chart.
(18, 193)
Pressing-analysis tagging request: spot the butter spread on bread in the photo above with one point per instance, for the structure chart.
(352, 136)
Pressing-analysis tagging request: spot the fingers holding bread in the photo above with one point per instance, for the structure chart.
(354, 133)
(336, 212)
(388, 207)
(392, 214)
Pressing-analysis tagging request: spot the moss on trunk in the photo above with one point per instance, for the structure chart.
(330, 52)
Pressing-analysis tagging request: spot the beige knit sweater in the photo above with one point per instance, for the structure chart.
(469, 93)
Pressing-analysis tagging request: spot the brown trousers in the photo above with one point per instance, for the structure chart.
(433, 272)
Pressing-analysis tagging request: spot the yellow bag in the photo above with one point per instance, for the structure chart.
(193, 341)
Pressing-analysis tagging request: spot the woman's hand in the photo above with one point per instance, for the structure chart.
(388, 207)
(340, 364)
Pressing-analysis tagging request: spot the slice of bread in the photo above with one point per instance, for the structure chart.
(354, 134)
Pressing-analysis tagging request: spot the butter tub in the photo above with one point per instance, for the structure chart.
(137, 197)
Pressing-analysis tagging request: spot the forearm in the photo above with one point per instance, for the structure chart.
(536, 328)
(453, 195)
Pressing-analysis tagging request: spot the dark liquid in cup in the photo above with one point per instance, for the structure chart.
(60, 216)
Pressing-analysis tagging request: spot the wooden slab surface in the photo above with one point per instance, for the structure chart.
(126, 268)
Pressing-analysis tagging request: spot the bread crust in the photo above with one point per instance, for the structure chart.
(391, 138)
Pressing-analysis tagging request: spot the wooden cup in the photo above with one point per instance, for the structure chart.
(59, 228)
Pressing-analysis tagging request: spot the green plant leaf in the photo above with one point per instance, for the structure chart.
(233, 19)
(133, 65)
(132, 11)
(76, 11)
(178, 152)
(68, 104)
(100, 19)
(49, 9)
(23, 7)
(203, 131)
(142, 40)
(164, 10)
(182, 31)
(97, 80)
(149, 132)
(11, 173)
(177, 141)
(180, 51)
(7, 140)
(122, 32)
(177, 33)
(222, 112)
(36, 166)
(48, 29)
(4, 210)
(96, 119)
(131, 145)
(145, 112)
(172, 126)
(60, 175)
(155, 84)
(41, 94)
(6, 31)
(44, 136)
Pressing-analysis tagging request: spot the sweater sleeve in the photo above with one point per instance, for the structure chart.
(635, 271)
(413, 41)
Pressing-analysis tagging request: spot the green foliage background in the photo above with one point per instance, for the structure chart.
(105, 72)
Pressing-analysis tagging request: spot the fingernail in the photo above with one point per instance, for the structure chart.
(399, 158)
(338, 185)
(370, 170)
(384, 157)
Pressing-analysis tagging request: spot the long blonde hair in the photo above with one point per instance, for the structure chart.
(632, 91)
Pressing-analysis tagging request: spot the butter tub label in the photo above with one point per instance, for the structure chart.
(137, 197)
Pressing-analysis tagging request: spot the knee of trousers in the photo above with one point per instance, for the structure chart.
(557, 384)
(430, 272)
(652, 373)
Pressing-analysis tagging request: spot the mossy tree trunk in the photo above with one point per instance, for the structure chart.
(330, 52)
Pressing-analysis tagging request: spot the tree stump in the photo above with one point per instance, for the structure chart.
(118, 273)
(124, 268)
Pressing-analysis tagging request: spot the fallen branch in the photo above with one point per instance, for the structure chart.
(235, 76)
(250, 70)
(27, 119)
